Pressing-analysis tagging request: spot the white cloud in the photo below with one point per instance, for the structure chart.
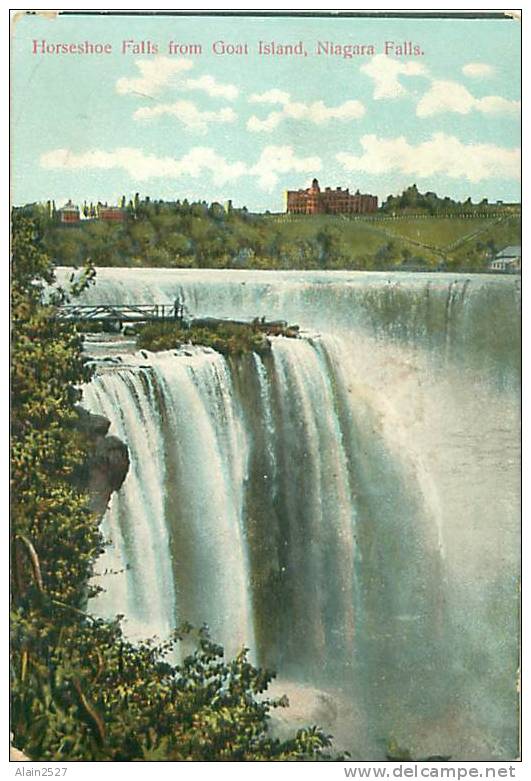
(478, 70)
(385, 71)
(317, 113)
(187, 113)
(350, 109)
(162, 72)
(212, 87)
(441, 155)
(449, 96)
(273, 120)
(141, 167)
(442, 96)
(273, 162)
(277, 160)
(156, 74)
(270, 96)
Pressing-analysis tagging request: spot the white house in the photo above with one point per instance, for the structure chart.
(508, 259)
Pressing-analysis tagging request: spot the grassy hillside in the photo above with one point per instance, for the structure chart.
(477, 248)
(436, 231)
(181, 235)
(448, 241)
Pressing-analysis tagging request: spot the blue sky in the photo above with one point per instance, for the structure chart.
(248, 127)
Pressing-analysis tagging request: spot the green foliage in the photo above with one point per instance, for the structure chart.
(79, 689)
(476, 249)
(46, 365)
(412, 200)
(226, 338)
(98, 696)
(182, 235)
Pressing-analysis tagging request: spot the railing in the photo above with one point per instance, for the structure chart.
(124, 313)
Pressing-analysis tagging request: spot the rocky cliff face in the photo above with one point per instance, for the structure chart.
(108, 461)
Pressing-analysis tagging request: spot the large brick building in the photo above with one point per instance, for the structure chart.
(313, 200)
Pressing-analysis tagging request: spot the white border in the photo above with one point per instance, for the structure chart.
(222, 771)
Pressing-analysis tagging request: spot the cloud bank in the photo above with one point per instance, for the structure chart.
(385, 72)
(161, 73)
(277, 160)
(141, 166)
(187, 113)
(156, 74)
(270, 96)
(317, 112)
(449, 96)
(478, 70)
(442, 96)
(212, 87)
(442, 155)
(273, 162)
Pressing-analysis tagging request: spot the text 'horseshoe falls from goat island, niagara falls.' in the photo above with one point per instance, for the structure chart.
(346, 505)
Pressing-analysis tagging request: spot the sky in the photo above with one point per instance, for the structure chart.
(214, 119)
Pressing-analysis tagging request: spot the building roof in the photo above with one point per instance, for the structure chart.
(514, 251)
(69, 207)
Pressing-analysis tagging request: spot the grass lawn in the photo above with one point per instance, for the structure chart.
(437, 231)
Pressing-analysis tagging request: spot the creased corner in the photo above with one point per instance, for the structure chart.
(18, 15)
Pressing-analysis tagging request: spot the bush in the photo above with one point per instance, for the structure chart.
(95, 696)
(226, 338)
(79, 689)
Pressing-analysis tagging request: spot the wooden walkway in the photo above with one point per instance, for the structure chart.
(120, 313)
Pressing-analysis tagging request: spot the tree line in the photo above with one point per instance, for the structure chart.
(412, 200)
(183, 234)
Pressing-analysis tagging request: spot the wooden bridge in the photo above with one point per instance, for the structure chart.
(116, 315)
(120, 313)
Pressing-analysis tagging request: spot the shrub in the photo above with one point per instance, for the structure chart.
(226, 338)
(79, 689)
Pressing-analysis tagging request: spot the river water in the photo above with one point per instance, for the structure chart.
(347, 506)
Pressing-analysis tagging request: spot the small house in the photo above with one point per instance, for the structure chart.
(111, 213)
(69, 213)
(508, 259)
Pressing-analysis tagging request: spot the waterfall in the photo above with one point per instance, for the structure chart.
(469, 318)
(319, 512)
(184, 543)
(346, 506)
(139, 582)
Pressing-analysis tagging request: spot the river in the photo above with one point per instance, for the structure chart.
(347, 506)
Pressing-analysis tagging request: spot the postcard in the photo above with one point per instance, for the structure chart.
(265, 297)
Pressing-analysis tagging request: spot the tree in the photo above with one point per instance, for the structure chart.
(333, 249)
(80, 690)
(387, 252)
(46, 365)
(143, 238)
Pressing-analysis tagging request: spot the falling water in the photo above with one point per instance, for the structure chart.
(347, 506)
(134, 525)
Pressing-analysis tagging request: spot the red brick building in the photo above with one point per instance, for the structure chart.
(68, 213)
(313, 200)
(111, 213)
